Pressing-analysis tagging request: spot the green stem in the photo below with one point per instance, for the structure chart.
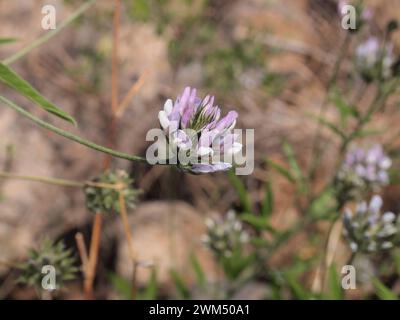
(316, 154)
(38, 42)
(69, 135)
(55, 181)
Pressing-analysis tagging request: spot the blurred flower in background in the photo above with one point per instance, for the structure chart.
(225, 235)
(372, 61)
(362, 171)
(193, 127)
(368, 230)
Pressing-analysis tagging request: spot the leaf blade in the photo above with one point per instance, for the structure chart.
(14, 81)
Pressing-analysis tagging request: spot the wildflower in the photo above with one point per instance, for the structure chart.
(103, 195)
(225, 235)
(363, 171)
(368, 230)
(372, 61)
(195, 129)
(49, 253)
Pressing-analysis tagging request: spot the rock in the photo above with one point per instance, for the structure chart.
(165, 233)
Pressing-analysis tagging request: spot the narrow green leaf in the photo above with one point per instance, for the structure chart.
(180, 285)
(368, 132)
(241, 191)
(268, 203)
(281, 170)
(121, 285)
(198, 270)
(335, 289)
(259, 222)
(151, 288)
(330, 125)
(296, 287)
(294, 166)
(383, 292)
(397, 262)
(14, 81)
(7, 40)
(343, 107)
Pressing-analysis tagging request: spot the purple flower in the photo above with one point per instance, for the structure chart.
(363, 171)
(368, 59)
(369, 230)
(194, 126)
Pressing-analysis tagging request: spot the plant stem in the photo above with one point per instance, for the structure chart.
(69, 135)
(90, 271)
(129, 239)
(48, 35)
(55, 181)
(316, 154)
(61, 182)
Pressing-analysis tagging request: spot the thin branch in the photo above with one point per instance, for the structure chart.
(80, 243)
(129, 239)
(90, 271)
(48, 35)
(132, 91)
(69, 135)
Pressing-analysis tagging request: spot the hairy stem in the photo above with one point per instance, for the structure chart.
(69, 135)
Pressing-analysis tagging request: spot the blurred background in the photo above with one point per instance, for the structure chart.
(269, 60)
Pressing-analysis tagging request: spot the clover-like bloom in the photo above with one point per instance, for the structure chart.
(372, 61)
(194, 128)
(368, 230)
(225, 235)
(362, 171)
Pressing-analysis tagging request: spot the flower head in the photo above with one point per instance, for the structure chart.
(363, 171)
(225, 235)
(372, 61)
(368, 230)
(194, 128)
(102, 194)
(49, 253)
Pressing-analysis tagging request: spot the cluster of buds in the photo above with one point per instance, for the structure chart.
(363, 171)
(102, 195)
(368, 230)
(374, 62)
(196, 134)
(225, 235)
(48, 254)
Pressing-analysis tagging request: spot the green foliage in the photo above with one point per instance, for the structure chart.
(198, 270)
(383, 292)
(106, 200)
(241, 191)
(49, 253)
(7, 40)
(335, 290)
(180, 285)
(14, 81)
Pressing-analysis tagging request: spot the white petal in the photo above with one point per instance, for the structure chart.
(168, 105)
(204, 151)
(375, 204)
(237, 147)
(163, 118)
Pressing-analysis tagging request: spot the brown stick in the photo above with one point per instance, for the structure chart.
(90, 271)
(96, 229)
(129, 238)
(80, 243)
